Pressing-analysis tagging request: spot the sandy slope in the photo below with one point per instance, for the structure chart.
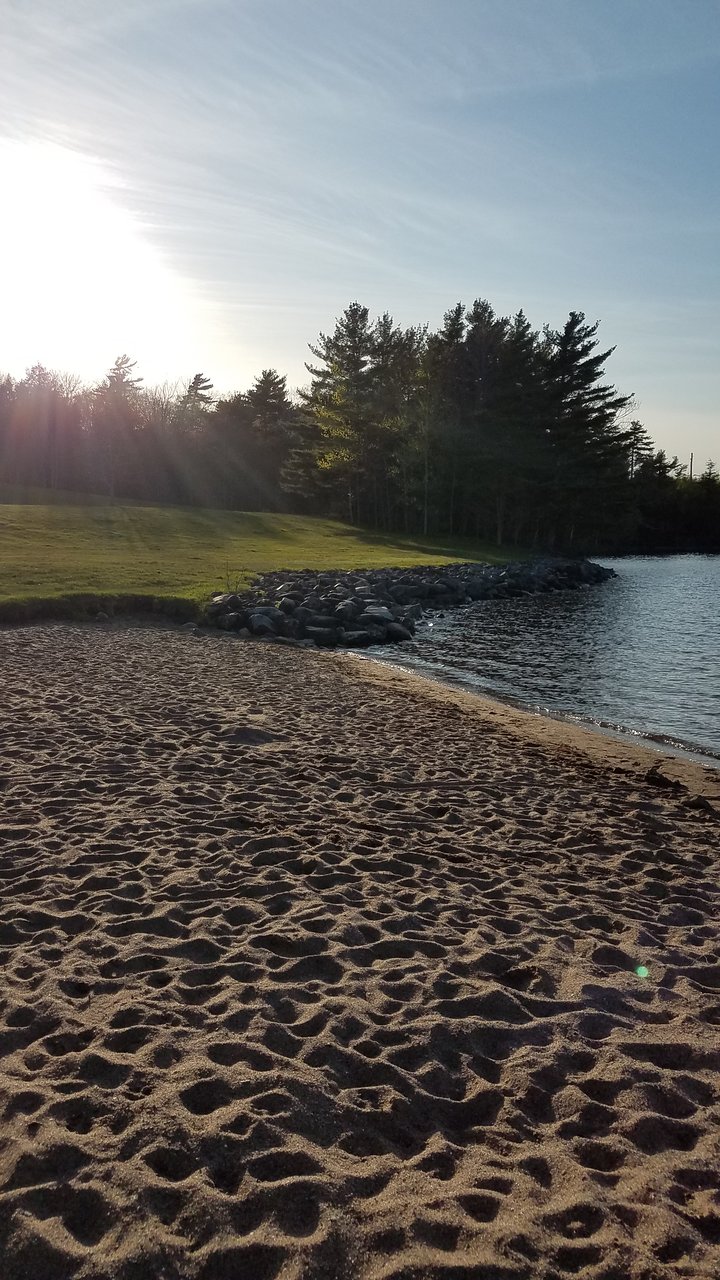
(313, 970)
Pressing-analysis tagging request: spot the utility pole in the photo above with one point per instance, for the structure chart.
(692, 455)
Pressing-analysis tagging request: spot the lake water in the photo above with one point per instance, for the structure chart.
(639, 654)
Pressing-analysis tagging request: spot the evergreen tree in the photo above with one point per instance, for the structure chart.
(586, 439)
(251, 434)
(340, 401)
(273, 419)
(116, 420)
(513, 441)
(484, 428)
(639, 446)
(199, 390)
(8, 450)
(446, 422)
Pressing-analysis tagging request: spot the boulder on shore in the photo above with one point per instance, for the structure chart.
(354, 610)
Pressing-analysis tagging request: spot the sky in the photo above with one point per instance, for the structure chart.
(207, 184)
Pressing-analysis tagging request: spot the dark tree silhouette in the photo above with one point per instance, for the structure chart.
(484, 428)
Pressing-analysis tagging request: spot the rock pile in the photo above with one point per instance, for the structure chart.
(354, 609)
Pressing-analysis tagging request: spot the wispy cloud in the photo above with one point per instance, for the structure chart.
(284, 157)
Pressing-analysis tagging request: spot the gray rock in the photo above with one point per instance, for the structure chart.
(396, 632)
(403, 594)
(231, 621)
(476, 588)
(347, 611)
(368, 603)
(325, 637)
(376, 614)
(323, 620)
(226, 600)
(269, 611)
(260, 624)
(413, 611)
(358, 639)
(377, 635)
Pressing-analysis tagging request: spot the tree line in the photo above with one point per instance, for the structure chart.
(484, 428)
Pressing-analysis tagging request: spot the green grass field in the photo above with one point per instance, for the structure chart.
(52, 552)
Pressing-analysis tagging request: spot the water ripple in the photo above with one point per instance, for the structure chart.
(639, 653)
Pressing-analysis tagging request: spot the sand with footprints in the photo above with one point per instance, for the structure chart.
(312, 969)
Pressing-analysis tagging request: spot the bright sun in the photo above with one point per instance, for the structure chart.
(80, 283)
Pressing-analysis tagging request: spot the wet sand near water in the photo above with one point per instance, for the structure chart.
(313, 969)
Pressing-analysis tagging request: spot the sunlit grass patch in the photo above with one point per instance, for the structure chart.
(57, 550)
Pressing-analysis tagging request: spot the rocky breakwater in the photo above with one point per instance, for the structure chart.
(355, 609)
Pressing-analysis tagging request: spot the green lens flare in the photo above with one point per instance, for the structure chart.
(642, 971)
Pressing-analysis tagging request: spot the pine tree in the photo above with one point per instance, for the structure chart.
(340, 402)
(585, 435)
(512, 439)
(446, 421)
(252, 433)
(115, 418)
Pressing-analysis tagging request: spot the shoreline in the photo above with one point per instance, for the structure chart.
(636, 742)
(313, 969)
(631, 737)
(698, 775)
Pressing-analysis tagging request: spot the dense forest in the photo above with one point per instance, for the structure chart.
(484, 428)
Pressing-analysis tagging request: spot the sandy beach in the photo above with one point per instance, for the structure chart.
(314, 969)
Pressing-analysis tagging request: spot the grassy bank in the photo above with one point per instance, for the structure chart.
(58, 558)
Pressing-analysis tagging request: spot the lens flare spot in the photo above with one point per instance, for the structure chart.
(642, 971)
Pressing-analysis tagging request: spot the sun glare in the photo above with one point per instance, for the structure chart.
(80, 281)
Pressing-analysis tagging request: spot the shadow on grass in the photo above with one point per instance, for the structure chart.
(460, 550)
(216, 526)
(291, 527)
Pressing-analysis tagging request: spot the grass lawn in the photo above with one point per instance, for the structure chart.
(51, 550)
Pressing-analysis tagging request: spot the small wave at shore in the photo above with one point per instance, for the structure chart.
(636, 657)
(440, 674)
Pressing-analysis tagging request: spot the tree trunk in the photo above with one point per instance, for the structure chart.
(53, 454)
(426, 481)
(499, 518)
(451, 511)
(405, 502)
(111, 466)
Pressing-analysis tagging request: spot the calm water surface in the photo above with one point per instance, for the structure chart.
(639, 654)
